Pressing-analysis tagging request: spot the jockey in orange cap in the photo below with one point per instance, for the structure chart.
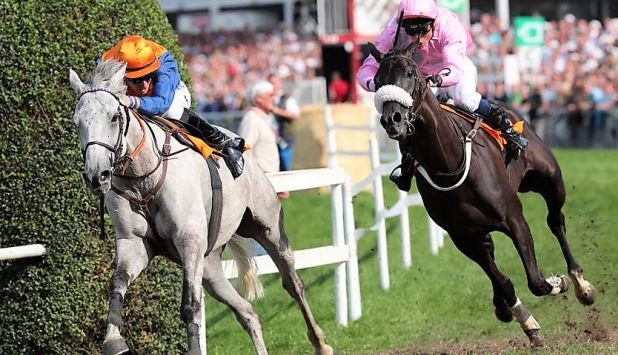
(442, 56)
(155, 88)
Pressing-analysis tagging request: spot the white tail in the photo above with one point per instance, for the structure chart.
(248, 285)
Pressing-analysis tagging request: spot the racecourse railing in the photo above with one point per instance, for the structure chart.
(341, 252)
(23, 251)
(405, 200)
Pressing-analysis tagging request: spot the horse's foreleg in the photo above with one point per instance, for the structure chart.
(191, 251)
(504, 292)
(131, 259)
(522, 239)
(506, 302)
(530, 326)
(220, 288)
(481, 251)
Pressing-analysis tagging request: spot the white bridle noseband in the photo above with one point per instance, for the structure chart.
(389, 93)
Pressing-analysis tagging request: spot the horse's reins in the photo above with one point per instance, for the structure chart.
(411, 115)
(418, 94)
(121, 162)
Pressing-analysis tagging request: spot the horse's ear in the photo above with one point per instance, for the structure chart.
(411, 48)
(375, 52)
(117, 80)
(76, 82)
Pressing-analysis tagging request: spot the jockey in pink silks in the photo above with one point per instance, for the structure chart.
(442, 54)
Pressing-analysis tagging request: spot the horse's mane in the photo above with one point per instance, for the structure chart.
(104, 74)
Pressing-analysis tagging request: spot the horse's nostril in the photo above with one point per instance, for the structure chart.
(397, 117)
(95, 183)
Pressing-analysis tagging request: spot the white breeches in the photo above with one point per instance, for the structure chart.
(464, 93)
(182, 100)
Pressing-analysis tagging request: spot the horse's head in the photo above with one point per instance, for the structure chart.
(100, 121)
(400, 88)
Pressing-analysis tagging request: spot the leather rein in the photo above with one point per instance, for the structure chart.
(412, 113)
(122, 162)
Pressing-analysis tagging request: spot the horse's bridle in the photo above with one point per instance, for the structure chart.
(120, 162)
(412, 113)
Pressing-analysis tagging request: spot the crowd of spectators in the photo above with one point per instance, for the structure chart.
(570, 97)
(570, 91)
(222, 64)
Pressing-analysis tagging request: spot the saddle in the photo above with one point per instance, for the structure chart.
(472, 117)
(183, 134)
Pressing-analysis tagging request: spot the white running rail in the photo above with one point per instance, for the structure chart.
(24, 251)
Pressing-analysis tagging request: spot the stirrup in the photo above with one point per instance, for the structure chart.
(516, 144)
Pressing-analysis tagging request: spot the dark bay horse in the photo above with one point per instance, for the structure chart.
(469, 189)
(160, 197)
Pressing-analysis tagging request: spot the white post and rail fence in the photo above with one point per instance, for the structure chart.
(23, 251)
(381, 213)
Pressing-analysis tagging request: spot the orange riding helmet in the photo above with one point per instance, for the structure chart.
(141, 55)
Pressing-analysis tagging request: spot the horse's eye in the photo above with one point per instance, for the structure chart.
(410, 74)
(116, 117)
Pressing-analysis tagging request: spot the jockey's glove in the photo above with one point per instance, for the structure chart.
(371, 85)
(124, 100)
(435, 80)
(129, 101)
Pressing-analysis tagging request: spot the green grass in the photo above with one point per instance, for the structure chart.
(444, 299)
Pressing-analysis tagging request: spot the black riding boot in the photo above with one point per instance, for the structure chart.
(230, 147)
(497, 119)
(403, 173)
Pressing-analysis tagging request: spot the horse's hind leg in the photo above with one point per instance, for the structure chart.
(132, 257)
(220, 288)
(267, 230)
(481, 251)
(551, 187)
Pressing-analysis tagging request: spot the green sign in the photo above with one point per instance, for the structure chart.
(457, 6)
(529, 31)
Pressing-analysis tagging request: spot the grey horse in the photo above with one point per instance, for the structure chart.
(160, 199)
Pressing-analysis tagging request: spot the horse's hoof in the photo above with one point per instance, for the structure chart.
(504, 314)
(325, 350)
(536, 340)
(115, 346)
(586, 296)
(585, 292)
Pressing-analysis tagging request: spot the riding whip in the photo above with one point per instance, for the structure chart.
(398, 28)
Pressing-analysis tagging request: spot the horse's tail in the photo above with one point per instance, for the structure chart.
(249, 285)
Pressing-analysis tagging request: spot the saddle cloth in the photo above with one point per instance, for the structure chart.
(471, 117)
(183, 135)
